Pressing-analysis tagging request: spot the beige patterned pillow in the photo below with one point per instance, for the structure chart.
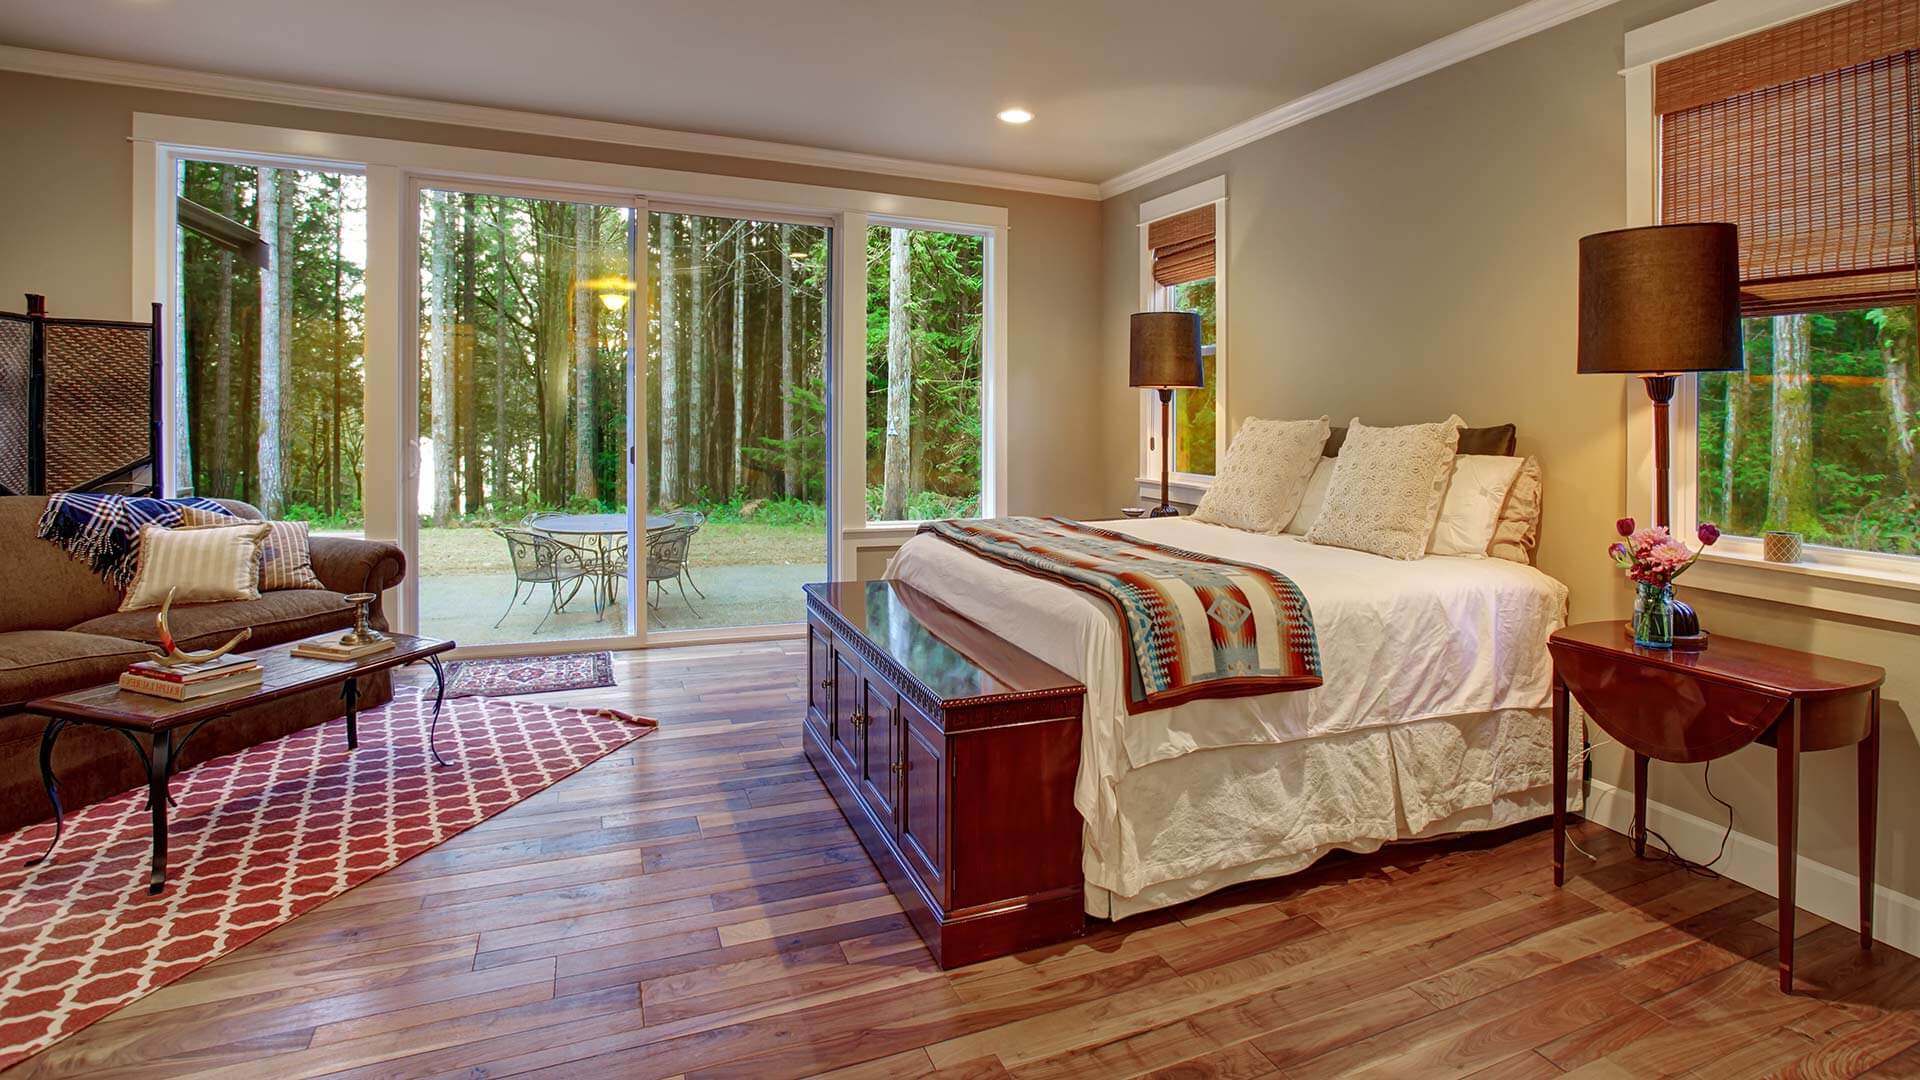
(1316, 497)
(199, 565)
(286, 559)
(1260, 484)
(1386, 488)
(1518, 531)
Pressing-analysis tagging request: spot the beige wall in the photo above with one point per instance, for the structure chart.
(1414, 254)
(66, 190)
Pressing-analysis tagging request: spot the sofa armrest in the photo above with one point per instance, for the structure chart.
(350, 566)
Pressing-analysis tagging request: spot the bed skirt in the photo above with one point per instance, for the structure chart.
(1352, 791)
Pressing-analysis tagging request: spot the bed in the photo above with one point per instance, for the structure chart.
(1433, 717)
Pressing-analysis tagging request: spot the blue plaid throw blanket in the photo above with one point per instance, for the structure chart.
(105, 529)
(1197, 626)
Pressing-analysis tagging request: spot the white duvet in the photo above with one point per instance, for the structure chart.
(1436, 674)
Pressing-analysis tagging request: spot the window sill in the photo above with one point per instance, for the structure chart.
(1180, 489)
(1871, 594)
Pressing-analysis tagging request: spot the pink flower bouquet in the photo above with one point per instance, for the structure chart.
(1651, 556)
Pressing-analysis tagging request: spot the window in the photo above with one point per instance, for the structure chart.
(1184, 269)
(926, 308)
(1803, 135)
(272, 263)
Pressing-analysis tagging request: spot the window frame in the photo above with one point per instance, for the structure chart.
(1868, 584)
(396, 170)
(1184, 486)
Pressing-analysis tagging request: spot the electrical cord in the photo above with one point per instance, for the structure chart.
(1668, 854)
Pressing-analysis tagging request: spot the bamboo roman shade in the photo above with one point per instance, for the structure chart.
(1803, 136)
(1183, 246)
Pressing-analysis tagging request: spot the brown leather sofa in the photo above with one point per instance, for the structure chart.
(60, 630)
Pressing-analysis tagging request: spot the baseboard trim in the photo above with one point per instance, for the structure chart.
(1832, 894)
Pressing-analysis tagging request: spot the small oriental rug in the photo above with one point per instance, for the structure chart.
(259, 837)
(516, 675)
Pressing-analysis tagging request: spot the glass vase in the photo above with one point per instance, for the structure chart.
(1653, 616)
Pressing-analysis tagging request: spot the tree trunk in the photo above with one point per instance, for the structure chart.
(338, 419)
(898, 466)
(736, 476)
(275, 313)
(697, 331)
(1790, 483)
(669, 362)
(583, 347)
(502, 328)
(1899, 409)
(440, 370)
(182, 463)
(219, 437)
(1733, 440)
(553, 224)
(790, 462)
(472, 490)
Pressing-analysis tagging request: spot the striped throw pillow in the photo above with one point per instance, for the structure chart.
(198, 566)
(286, 559)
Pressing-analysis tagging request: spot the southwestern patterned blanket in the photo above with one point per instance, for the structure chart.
(1198, 626)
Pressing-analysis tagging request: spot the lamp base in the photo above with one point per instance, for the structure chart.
(1164, 510)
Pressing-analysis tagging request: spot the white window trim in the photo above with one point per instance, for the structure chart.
(1185, 487)
(396, 169)
(1865, 584)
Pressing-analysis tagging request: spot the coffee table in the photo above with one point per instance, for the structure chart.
(157, 720)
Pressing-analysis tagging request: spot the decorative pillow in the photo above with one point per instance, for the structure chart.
(1497, 441)
(1386, 488)
(1518, 531)
(200, 566)
(286, 559)
(1316, 496)
(1260, 484)
(1471, 508)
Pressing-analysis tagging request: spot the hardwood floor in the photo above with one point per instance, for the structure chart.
(694, 905)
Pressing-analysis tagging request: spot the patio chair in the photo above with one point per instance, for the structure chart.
(691, 520)
(541, 560)
(667, 561)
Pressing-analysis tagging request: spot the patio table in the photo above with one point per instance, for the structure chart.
(601, 533)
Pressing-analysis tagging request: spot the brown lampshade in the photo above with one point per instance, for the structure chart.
(1164, 349)
(1661, 299)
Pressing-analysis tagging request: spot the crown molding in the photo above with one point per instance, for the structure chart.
(153, 77)
(1509, 26)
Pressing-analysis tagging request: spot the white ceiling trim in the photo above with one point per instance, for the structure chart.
(1489, 34)
(154, 77)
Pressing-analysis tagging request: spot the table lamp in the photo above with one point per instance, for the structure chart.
(1164, 355)
(1659, 301)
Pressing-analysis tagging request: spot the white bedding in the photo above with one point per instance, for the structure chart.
(1436, 681)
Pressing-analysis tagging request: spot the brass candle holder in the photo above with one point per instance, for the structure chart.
(362, 633)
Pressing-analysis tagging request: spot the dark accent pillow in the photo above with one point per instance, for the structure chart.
(1498, 441)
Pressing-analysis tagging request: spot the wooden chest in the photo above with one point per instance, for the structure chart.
(953, 756)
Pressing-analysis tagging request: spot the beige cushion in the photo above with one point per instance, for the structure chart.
(286, 559)
(1386, 488)
(1518, 531)
(1315, 497)
(1475, 493)
(1260, 484)
(198, 566)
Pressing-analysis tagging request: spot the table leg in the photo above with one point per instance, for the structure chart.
(159, 763)
(1639, 805)
(350, 693)
(1560, 721)
(1787, 753)
(1869, 754)
(439, 696)
(47, 739)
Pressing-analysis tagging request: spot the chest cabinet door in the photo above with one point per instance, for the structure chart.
(923, 793)
(819, 680)
(880, 758)
(847, 719)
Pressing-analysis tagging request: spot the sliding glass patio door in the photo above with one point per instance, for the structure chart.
(735, 395)
(525, 532)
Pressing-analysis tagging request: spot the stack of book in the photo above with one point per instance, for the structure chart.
(331, 649)
(186, 682)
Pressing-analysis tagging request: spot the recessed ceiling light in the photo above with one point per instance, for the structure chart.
(1015, 116)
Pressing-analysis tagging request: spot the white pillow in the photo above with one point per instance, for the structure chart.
(1471, 507)
(1518, 532)
(1386, 489)
(1316, 496)
(198, 566)
(1268, 465)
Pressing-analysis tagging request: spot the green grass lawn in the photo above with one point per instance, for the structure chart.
(479, 551)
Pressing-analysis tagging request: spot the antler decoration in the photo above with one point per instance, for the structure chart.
(173, 657)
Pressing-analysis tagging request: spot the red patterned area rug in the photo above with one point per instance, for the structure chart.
(259, 837)
(529, 674)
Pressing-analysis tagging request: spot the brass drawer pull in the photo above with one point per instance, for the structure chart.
(899, 767)
(826, 684)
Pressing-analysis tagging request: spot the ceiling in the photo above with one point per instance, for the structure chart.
(1113, 84)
